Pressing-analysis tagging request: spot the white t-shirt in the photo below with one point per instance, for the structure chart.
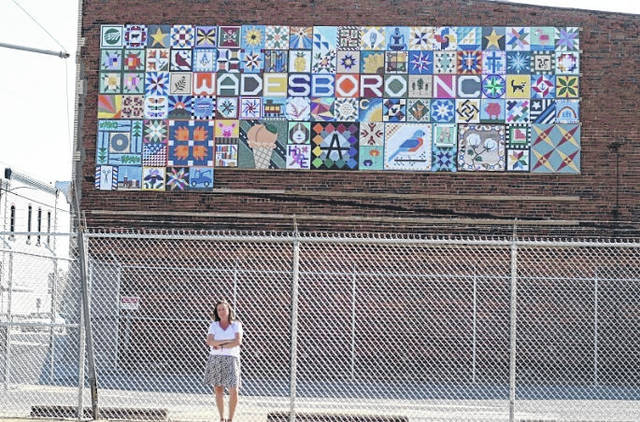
(229, 334)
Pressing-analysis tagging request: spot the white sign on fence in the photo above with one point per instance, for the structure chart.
(130, 303)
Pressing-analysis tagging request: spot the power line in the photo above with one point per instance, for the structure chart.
(38, 23)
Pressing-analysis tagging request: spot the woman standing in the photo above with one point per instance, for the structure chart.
(223, 367)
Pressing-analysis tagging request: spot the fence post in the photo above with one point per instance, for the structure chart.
(353, 322)
(294, 328)
(512, 330)
(475, 312)
(81, 363)
(595, 331)
(7, 349)
(54, 312)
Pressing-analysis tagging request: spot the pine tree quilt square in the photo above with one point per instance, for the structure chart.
(111, 36)
(397, 38)
(190, 143)
(371, 157)
(263, 144)
(206, 36)
(111, 59)
(201, 177)
(129, 177)
(158, 59)
(543, 38)
(555, 148)
(182, 36)
(153, 178)
(421, 37)
(407, 146)
(177, 178)
(518, 160)
(518, 38)
(334, 146)
(119, 142)
(481, 147)
(567, 111)
(567, 39)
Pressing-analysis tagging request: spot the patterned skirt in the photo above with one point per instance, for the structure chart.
(222, 370)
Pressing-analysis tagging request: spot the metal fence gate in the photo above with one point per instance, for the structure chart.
(421, 328)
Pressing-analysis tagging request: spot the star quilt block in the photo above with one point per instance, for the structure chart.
(555, 148)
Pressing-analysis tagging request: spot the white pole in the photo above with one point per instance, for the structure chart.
(512, 348)
(294, 329)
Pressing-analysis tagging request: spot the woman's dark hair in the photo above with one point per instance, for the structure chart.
(215, 315)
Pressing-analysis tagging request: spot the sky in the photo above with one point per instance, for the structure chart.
(38, 91)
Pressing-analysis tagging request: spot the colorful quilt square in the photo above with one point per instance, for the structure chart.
(252, 61)
(494, 62)
(155, 132)
(443, 110)
(111, 36)
(543, 111)
(158, 59)
(493, 38)
(567, 39)
(543, 86)
(299, 157)
(420, 62)
(469, 86)
(444, 62)
(263, 144)
(481, 147)
(518, 38)
(348, 38)
(110, 83)
(445, 38)
(276, 61)
(372, 62)
(372, 134)
(394, 109)
(467, 110)
(252, 37)
(445, 135)
(300, 61)
(181, 60)
(492, 110)
(299, 108)
(201, 177)
(132, 106)
(518, 86)
(443, 159)
(180, 107)
(370, 110)
(106, 177)
(517, 159)
(133, 60)
(109, 106)
(301, 37)
(206, 36)
(133, 83)
(543, 62)
(180, 83)
(324, 49)
(153, 178)
(227, 153)
(346, 109)
(156, 106)
(204, 107)
(204, 83)
(518, 62)
(276, 37)
(444, 86)
(119, 142)
(129, 177)
(205, 60)
(373, 38)
(493, 86)
(334, 146)
(229, 37)
(159, 36)
(182, 36)
(555, 148)
(567, 86)
(111, 60)
(371, 157)
(322, 109)
(190, 143)
(156, 83)
(469, 37)
(228, 60)
(518, 136)
(567, 62)
(421, 37)
(177, 178)
(470, 62)
(397, 38)
(299, 133)
(226, 130)
(250, 107)
(518, 111)
(348, 61)
(543, 38)
(274, 108)
(135, 36)
(568, 111)
(407, 146)
(418, 110)
(396, 86)
(226, 108)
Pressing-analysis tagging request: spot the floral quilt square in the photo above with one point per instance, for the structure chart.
(481, 147)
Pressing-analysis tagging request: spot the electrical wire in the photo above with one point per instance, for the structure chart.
(40, 25)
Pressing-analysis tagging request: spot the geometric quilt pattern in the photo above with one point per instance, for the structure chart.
(177, 101)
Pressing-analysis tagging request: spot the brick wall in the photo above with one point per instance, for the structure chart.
(365, 200)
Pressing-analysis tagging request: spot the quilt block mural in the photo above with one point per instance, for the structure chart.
(177, 101)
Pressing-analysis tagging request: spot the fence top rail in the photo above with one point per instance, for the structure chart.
(360, 238)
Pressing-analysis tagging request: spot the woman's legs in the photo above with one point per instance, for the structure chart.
(219, 392)
(233, 401)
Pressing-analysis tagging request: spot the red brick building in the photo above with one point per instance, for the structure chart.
(605, 191)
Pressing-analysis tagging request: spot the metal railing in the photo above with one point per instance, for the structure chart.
(418, 327)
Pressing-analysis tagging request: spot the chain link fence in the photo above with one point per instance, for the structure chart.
(350, 327)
